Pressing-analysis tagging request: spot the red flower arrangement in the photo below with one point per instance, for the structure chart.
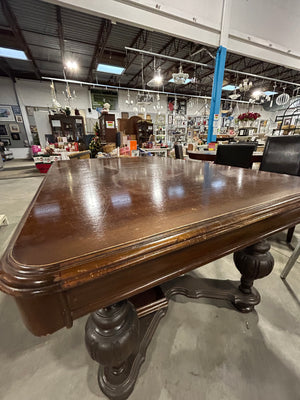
(248, 116)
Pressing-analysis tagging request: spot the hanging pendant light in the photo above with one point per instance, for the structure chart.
(246, 85)
(180, 77)
(283, 98)
(157, 79)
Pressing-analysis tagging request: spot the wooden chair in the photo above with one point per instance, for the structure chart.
(282, 155)
(235, 155)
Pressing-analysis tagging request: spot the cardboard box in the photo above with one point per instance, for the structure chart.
(132, 146)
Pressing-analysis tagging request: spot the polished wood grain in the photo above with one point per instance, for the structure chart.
(100, 231)
(197, 155)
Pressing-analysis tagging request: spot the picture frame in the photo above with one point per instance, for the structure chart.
(6, 114)
(16, 110)
(15, 136)
(3, 131)
(14, 128)
(287, 121)
(170, 119)
(19, 119)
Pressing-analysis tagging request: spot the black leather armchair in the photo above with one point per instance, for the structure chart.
(236, 155)
(282, 155)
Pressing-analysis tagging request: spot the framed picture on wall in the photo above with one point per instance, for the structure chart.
(3, 131)
(6, 114)
(19, 119)
(170, 119)
(14, 128)
(16, 110)
(15, 136)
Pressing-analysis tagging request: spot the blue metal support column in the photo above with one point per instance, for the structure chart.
(216, 92)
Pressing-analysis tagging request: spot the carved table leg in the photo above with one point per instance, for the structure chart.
(253, 262)
(117, 339)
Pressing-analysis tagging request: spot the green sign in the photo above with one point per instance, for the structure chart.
(99, 97)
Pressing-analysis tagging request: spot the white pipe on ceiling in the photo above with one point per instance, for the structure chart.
(138, 90)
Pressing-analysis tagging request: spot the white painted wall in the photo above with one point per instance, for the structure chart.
(7, 94)
(263, 29)
(268, 30)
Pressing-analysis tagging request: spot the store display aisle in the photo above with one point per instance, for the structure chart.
(205, 350)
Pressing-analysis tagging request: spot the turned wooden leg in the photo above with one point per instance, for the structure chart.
(111, 337)
(117, 339)
(253, 262)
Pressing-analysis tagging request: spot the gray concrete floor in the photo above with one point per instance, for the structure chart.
(202, 349)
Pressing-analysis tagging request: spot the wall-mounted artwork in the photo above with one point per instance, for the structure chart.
(19, 119)
(3, 131)
(15, 136)
(6, 114)
(14, 128)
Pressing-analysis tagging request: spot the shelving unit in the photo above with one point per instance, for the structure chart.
(292, 113)
(160, 134)
(71, 126)
(178, 134)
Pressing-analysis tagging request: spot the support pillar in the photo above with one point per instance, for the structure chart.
(216, 92)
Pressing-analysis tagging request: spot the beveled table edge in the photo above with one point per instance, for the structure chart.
(19, 280)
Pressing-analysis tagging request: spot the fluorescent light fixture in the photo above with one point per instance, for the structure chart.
(229, 87)
(72, 65)
(185, 82)
(12, 53)
(110, 69)
(269, 93)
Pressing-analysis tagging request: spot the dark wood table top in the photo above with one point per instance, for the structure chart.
(211, 156)
(102, 230)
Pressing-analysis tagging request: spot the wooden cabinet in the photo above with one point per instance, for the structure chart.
(71, 126)
(107, 124)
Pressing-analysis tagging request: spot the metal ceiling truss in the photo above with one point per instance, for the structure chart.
(6, 69)
(242, 73)
(60, 31)
(137, 75)
(140, 42)
(103, 36)
(171, 48)
(13, 23)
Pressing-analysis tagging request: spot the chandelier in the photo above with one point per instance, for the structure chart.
(245, 86)
(180, 77)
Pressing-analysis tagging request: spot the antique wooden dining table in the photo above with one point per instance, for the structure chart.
(116, 238)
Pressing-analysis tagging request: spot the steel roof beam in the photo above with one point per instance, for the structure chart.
(13, 23)
(60, 31)
(164, 48)
(103, 36)
(141, 36)
(6, 69)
